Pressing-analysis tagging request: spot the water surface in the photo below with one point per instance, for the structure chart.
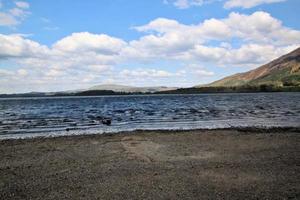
(29, 117)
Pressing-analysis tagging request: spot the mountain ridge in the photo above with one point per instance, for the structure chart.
(282, 71)
(131, 89)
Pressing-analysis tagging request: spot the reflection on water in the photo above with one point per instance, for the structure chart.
(80, 115)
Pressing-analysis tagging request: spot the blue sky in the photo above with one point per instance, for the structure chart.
(55, 45)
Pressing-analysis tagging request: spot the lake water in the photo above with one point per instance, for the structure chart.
(30, 117)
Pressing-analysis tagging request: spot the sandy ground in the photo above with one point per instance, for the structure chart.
(222, 164)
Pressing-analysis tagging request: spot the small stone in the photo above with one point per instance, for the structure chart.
(106, 121)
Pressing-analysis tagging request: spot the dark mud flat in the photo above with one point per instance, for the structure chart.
(219, 164)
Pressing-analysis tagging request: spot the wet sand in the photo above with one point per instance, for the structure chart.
(216, 164)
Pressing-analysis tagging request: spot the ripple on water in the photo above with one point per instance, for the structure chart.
(82, 115)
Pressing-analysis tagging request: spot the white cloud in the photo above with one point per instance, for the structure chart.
(55, 63)
(84, 41)
(202, 72)
(146, 77)
(145, 73)
(228, 4)
(248, 3)
(14, 16)
(172, 40)
(169, 40)
(22, 72)
(208, 54)
(198, 70)
(184, 4)
(22, 4)
(7, 20)
(4, 72)
(161, 25)
(85, 54)
(17, 46)
(54, 73)
(17, 12)
(261, 27)
(247, 55)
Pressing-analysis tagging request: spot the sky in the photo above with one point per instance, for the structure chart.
(57, 45)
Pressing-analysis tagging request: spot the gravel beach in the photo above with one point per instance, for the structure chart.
(201, 164)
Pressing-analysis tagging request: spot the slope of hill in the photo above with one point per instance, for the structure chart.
(284, 71)
(95, 91)
(130, 89)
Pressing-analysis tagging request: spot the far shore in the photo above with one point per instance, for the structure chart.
(198, 164)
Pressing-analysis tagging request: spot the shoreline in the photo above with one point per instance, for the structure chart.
(205, 164)
(240, 129)
(21, 96)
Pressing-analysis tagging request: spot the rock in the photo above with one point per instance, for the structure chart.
(260, 107)
(106, 121)
(193, 111)
(67, 120)
(119, 119)
(73, 124)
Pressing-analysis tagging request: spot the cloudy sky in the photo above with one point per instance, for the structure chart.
(54, 45)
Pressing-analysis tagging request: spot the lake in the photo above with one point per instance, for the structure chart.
(31, 117)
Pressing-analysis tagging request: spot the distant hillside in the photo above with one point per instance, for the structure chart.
(96, 91)
(284, 71)
(130, 89)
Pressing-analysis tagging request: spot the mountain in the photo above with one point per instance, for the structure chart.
(130, 89)
(284, 71)
(95, 91)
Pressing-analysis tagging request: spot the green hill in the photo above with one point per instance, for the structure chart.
(282, 72)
